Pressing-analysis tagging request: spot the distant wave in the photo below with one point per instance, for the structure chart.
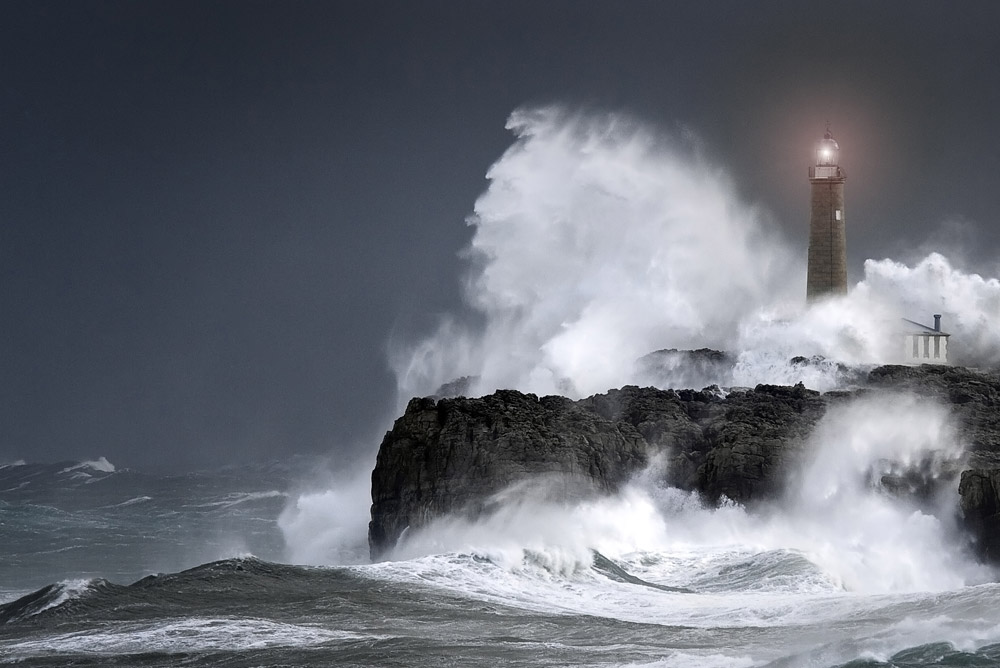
(46, 598)
(132, 502)
(194, 634)
(101, 464)
(237, 498)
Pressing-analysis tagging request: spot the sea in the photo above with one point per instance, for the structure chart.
(254, 565)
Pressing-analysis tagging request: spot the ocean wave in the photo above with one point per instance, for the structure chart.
(100, 465)
(48, 598)
(469, 600)
(238, 498)
(191, 634)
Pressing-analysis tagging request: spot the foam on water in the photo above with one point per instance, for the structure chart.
(822, 628)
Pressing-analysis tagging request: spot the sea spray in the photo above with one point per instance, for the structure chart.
(327, 524)
(867, 534)
(836, 513)
(596, 242)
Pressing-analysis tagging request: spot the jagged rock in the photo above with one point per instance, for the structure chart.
(752, 443)
(974, 397)
(456, 388)
(686, 368)
(453, 455)
(979, 490)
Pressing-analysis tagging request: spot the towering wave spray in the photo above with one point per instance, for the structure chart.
(596, 242)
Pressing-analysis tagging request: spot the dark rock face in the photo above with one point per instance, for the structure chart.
(974, 398)
(979, 490)
(686, 368)
(453, 455)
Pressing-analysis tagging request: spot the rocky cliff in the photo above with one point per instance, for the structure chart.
(453, 455)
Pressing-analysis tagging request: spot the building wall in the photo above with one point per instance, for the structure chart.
(925, 349)
(827, 273)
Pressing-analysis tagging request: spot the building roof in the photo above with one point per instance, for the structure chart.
(919, 328)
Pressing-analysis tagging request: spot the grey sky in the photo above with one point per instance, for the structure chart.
(213, 215)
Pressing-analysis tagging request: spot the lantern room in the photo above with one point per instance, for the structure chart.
(827, 150)
(827, 159)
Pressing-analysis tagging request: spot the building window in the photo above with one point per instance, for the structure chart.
(927, 345)
(916, 347)
(937, 347)
(837, 214)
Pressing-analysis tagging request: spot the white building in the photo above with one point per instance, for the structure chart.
(923, 344)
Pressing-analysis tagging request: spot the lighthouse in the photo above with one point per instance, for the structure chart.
(827, 274)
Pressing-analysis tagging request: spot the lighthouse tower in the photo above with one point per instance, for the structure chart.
(827, 273)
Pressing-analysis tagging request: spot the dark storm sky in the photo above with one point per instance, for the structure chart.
(213, 215)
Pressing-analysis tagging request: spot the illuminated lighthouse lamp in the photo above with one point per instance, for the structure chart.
(827, 150)
(827, 157)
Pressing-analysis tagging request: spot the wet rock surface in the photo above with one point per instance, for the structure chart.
(454, 455)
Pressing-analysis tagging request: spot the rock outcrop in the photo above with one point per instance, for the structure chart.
(979, 491)
(454, 455)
